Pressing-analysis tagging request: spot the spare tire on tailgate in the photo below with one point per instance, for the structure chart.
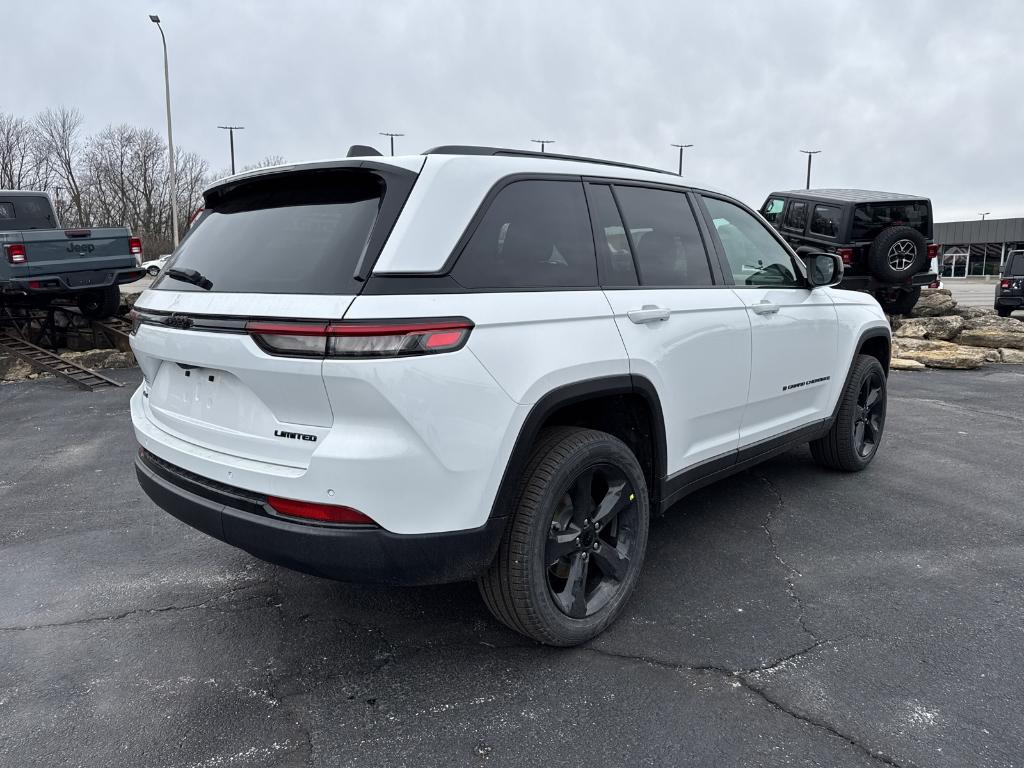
(897, 253)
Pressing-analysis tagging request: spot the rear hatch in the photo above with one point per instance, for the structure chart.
(285, 247)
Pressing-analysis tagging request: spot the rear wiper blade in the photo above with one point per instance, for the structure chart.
(190, 276)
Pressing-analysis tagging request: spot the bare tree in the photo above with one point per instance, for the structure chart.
(62, 147)
(20, 166)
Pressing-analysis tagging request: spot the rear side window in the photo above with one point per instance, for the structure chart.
(1015, 265)
(772, 208)
(534, 234)
(869, 219)
(667, 244)
(796, 216)
(613, 253)
(825, 221)
(294, 233)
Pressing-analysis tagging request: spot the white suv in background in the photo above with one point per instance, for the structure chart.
(486, 364)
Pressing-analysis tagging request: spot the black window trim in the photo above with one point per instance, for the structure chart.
(726, 267)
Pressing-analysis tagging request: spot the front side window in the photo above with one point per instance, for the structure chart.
(754, 256)
(772, 209)
(668, 247)
(825, 221)
(535, 234)
(796, 216)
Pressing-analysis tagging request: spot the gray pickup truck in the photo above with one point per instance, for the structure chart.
(41, 261)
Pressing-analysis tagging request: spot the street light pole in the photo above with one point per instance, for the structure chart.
(983, 215)
(392, 137)
(809, 153)
(681, 148)
(543, 142)
(231, 132)
(170, 136)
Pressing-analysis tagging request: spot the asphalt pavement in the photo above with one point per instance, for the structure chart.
(787, 616)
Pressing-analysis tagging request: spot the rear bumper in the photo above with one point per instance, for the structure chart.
(869, 283)
(1009, 301)
(72, 282)
(345, 553)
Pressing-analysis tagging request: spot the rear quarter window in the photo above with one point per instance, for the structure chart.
(534, 234)
(289, 233)
(825, 221)
(1015, 265)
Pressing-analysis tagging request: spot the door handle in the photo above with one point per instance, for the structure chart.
(649, 314)
(764, 307)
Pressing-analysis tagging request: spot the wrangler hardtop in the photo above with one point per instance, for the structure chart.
(884, 238)
(42, 261)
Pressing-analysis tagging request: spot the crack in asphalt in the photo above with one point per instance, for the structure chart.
(741, 677)
(126, 614)
(791, 573)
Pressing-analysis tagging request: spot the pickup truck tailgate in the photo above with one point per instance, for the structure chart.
(50, 251)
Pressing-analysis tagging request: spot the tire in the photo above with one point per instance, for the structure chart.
(897, 253)
(551, 543)
(101, 302)
(841, 448)
(903, 301)
(1004, 311)
(153, 271)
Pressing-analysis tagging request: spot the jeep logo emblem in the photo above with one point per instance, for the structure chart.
(179, 321)
(81, 247)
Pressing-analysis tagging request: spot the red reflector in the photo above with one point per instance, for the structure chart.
(443, 339)
(34, 284)
(16, 253)
(325, 513)
(846, 254)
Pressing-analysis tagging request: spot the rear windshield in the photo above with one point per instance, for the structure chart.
(26, 212)
(295, 233)
(1015, 264)
(869, 219)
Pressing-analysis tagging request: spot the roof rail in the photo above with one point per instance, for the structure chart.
(459, 149)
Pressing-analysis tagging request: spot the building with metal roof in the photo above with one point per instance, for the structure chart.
(977, 248)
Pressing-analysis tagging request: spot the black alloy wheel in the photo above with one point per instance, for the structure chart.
(870, 417)
(591, 540)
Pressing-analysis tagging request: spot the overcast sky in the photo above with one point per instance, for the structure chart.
(922, 97)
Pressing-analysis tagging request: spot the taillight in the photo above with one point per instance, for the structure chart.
(136, 320)
(933, 251)
(359, 339)
(16, 253)
(135, 246)
(846, 254)
(324, 513)
(1005, 283)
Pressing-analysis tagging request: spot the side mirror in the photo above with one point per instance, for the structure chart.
(823, 269)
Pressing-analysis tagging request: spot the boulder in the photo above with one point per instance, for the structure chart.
(992, 321)
(939, 354)
(904, 364)
(1012, 356)
(101, 358)
(970, 313)
(14, 368)
(945, 328)
(993, 338)
(934, 304)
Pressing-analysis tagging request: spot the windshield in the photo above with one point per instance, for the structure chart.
(295, 233)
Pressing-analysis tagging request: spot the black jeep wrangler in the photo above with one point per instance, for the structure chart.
(884, 239)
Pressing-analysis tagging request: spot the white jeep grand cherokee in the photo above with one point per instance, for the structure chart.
(486, 364)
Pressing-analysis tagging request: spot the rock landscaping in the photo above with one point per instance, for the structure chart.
(940, 334)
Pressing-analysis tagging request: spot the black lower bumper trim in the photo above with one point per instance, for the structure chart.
(368, 555)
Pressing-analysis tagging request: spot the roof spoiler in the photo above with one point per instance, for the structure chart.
(361, 150)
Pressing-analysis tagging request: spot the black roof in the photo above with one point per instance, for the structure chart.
(459, 149)
(849, 195)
